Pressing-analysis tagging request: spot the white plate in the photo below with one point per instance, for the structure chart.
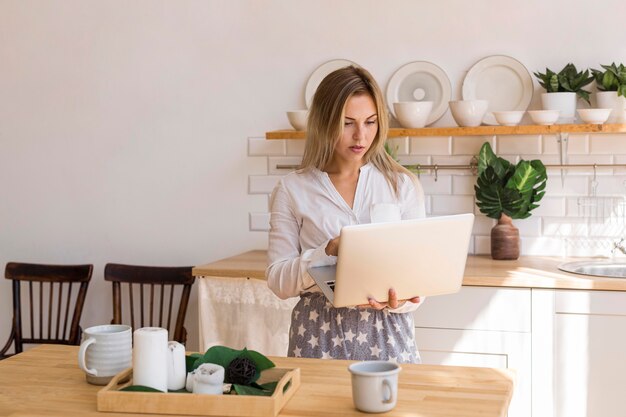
(420, 81)
(318, 75)
(501, 80)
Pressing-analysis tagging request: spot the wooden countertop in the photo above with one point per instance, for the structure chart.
(526, 272)
(46, 381)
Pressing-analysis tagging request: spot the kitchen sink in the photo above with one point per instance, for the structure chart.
(596, 268)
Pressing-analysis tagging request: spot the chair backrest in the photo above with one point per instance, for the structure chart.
(51, 300)
(172, 286)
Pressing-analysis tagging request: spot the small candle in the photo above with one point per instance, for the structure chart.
(208, 379)
(150, 358)
(176, 372)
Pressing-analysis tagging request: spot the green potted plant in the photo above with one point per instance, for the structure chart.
(562, 89)
(611, 93)
(505, 191)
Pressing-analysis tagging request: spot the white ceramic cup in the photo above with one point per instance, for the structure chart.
(374, 385)
(105, 351)
(385, 212)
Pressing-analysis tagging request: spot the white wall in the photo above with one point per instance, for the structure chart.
(124, 126)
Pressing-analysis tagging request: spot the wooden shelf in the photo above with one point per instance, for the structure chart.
(477, 131)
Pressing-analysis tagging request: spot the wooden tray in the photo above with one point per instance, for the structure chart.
(111, 399)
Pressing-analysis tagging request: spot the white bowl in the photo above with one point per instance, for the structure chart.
(508, 118)
(594, 116)
(468, 113)
(544, 117)
(413, 114)
(298, 118)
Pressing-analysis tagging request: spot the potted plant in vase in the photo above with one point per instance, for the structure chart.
(562, 90)
(611, 84)
(505, 192)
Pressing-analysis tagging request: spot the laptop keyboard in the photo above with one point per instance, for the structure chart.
(331, 284)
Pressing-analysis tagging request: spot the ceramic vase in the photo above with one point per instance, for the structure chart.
(563, 102)
(610, 100)
(504, 239)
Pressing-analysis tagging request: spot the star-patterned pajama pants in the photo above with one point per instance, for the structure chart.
(319, 330)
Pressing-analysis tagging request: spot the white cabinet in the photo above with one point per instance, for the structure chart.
(567, 347)
(579, 353)
(480, 326)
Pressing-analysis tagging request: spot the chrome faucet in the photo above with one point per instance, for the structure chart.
(619, 246)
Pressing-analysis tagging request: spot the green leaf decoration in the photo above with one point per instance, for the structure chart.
(139, 388)
(247, 390)
(261, 362)
(219, 355)
(190, 360)
(504, 188)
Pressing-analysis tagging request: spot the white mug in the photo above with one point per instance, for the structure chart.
(374, 385)
(105, 351)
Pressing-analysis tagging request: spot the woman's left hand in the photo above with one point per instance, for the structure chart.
(392, 301)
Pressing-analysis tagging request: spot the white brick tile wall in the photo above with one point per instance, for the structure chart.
(577, 145)
(540, 246)
(295, 147)
(443, 185)
(607, 144)
(482, 245)
(571, 186)
(259, 222)
(514, 145)
(561, 225)
(619, 159)
(463, 184)
(611, 185)
(430, 145)
(550, 206)
(274, 162)
(469, 145)
(262, 184)
(483, 225)
(414, 160)
(529, 227)
(401, 145)
(263, 147)
(452, 204)
(256, 165)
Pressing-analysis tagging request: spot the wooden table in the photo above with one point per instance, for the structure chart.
(525, 272)
(46, 381)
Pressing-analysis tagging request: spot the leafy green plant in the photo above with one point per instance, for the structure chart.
(568, 80)
(613, 78)
(505, 188)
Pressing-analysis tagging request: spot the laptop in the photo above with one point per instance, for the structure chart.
(420, 257)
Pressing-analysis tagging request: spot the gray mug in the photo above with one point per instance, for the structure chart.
(374, 385)
(105, 351)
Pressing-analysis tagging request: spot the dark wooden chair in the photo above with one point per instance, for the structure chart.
(48, 311)
(172, 286)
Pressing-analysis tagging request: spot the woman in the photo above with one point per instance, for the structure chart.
(345, 172)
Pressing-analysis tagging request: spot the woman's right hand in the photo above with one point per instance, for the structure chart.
(332, 248)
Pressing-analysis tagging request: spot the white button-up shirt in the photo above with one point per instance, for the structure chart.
(307, 212)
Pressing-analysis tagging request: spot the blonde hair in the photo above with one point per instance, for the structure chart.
(326, 118)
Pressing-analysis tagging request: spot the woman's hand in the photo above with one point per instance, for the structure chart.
(332, 248)
(392, 301)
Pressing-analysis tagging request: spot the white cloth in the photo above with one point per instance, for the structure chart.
(243, 312)
(307, 211)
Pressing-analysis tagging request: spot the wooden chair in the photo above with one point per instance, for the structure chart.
(48, 311)
(171, 283)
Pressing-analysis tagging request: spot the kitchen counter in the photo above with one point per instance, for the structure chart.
(481, 271)
(46, 381)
